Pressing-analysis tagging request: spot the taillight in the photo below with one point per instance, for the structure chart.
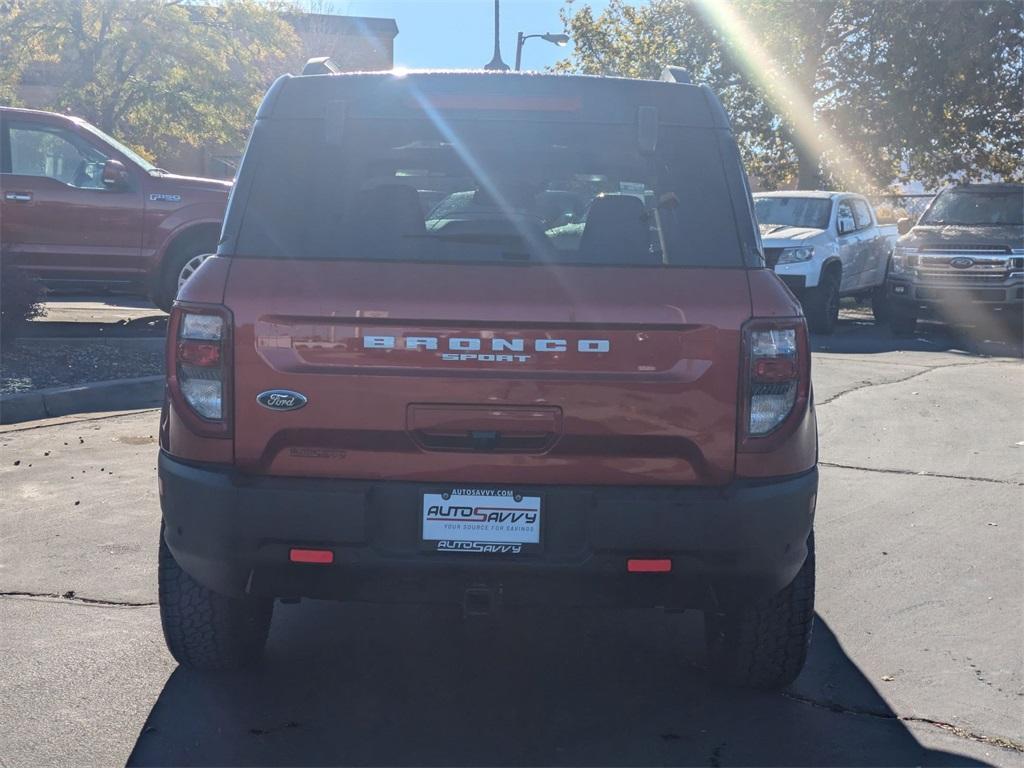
(198, 366)
(776, 371)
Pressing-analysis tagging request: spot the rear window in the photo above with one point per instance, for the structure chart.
(492, 191)
(779, 212)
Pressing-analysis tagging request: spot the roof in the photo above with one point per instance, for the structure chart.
(34, 112)
(359, 26)
(496, 95)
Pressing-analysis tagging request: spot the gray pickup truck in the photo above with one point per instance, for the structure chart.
(963, 262)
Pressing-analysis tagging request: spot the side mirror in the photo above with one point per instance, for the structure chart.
(904, 225)
(846, 225)
(115, 175)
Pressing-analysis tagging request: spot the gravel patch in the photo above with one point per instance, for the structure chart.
(40, 363)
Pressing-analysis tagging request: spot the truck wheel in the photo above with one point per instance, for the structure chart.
(179, 267)
(880, 304)
(205, 630)
(765, 645)
(902, 323)
(822, 304)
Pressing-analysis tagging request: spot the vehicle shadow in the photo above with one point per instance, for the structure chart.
(403, 685)
(857, 333)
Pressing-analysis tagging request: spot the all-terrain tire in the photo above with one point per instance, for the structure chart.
(205, 630)
(821, 305)
(902, 324)
(765, 645)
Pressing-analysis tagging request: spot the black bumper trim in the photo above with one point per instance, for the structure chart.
(728, 545)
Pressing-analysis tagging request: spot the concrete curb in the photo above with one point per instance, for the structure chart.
(116, 395)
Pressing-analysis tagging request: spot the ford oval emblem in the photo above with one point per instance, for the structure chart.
(961, 262)
(281, 400)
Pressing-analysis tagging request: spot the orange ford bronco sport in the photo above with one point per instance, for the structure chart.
(489, 339)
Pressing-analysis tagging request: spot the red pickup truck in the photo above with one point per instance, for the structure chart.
(486, 339)
(82, 211)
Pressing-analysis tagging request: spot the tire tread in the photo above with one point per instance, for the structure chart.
(203, 629)
(765, 645)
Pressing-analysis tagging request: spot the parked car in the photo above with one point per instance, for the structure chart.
(964, 260)
(84, 212)
(364, 407)
(826, 245)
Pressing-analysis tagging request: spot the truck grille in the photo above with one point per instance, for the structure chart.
(965, 265)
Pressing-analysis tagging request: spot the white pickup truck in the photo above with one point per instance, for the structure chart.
(825, 245)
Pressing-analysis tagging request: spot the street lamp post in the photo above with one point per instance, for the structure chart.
(496, 63)
(559, 40)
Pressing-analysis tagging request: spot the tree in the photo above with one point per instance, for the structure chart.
(155, 73)
(854, 93)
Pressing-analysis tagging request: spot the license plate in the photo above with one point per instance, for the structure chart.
(487, 521)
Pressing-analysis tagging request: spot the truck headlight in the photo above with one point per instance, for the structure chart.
(903, 260)
(795, 255)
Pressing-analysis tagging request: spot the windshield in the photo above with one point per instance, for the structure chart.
(778, 212)
(126, 151)
(481, 191)
(977, 206)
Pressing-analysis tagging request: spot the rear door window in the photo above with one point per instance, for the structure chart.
(861, 214)
(488, 191)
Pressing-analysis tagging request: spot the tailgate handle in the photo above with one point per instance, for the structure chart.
(484, 429)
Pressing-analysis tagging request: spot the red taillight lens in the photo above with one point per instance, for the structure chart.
(201, 353)
(777, 372)
(198, 366)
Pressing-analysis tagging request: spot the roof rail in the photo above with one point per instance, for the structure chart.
(321, 65)
(674, 75)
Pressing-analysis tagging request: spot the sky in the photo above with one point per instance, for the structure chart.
(459, 34)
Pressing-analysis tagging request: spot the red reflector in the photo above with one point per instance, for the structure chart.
(200, 353)
(775, 369)
(323, 556)
(649, 566)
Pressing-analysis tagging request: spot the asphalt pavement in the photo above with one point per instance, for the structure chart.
(916, 658)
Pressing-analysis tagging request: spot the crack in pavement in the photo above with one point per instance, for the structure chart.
(869, 384)
(71, 597)
(958, 731)
(914, 473)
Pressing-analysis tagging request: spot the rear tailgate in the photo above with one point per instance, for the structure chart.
(488, 373)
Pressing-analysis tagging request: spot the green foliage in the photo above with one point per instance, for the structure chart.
(152, 72)
(917, 89)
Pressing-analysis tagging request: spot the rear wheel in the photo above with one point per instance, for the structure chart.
(765, 645)
(203, 629)
(178, 267)
(822, 304)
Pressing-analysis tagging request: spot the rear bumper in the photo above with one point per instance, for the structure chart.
(728, 545)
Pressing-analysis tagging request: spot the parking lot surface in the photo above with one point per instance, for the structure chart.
(916, 658)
